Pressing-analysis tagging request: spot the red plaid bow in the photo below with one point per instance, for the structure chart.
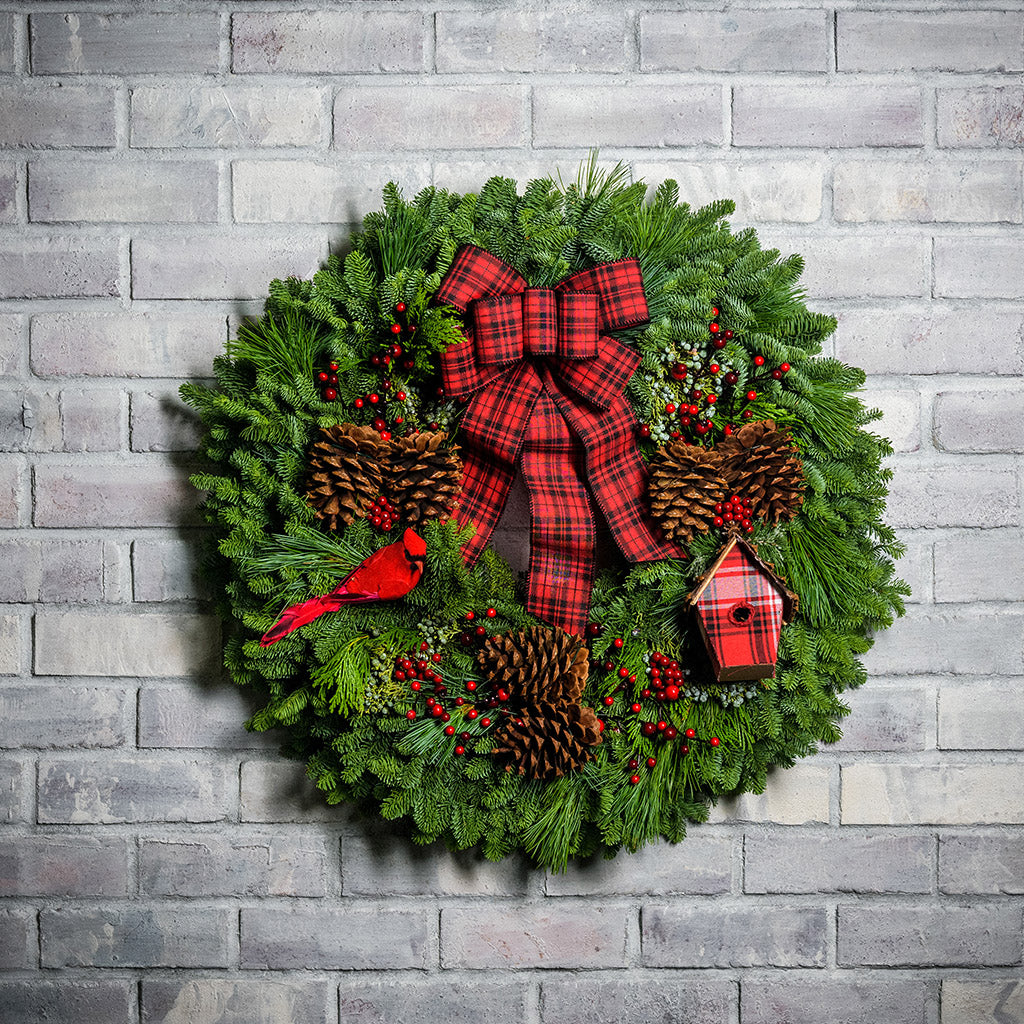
(542, 376)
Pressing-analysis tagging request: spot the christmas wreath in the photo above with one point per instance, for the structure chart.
(642, 366)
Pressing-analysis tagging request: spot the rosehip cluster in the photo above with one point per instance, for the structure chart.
(665, 675)
(737, 511)
(329, 382)
(383, 515)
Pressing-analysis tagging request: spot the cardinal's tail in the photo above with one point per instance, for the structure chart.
(296, 616)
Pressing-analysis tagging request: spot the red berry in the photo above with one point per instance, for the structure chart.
(714, 741)
(633, 763)
(401, 396)
(714, 311)
(485, 722)
(728, 335)
(471, 685)
(649, 729)
(645, 431)
(670, 733)
(374, 399)
(679, 371)
(672, 692)
(410, 714)
(714, 328)
(460, 750)
(492, 612)
(690, 733)
(776, 375)
(609, 701)
(731, 377)
(503, 695)
(472, 713)
(751, 395)
(785, 367)
(719, 343)
(685, 420)
(400, 307)
(685, 749)
(662, 726)
(635, 708)
(623, 673)
(359, 403)
(330, 395)
(323, 377)
(634, 780)
(617, 642)
(593, 628)
(747, 414)
(334, 367)
(396, 328)
(714, 368)
(449, 730)
(759, 360)
(694, 409)
(670, 407)
(651, 762)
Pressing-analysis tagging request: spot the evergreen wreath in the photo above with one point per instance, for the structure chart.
(430, 692)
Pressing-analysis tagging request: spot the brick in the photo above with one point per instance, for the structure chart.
(91, 421)
(100, 643)
(695, 935)
(89, 717)
(735, 40)
(281, 791)
(212, 718)
(51, 570)
(702, 865)
(981, 718)
(901, 417)
(8, 192)
(335, 42)
(890, 191)
(124, 43)
(7, 43)
(832, 117)
(84, 1002)
(933, 496)
(34, 267)
(13, 787)
(981, 118)
(208, 866)
(234, 266)
(589, 1001)
(910, 340)
(888, 720)
(429, 117)
(550, 936)
(922, 936)
(793, 796)
(56, 865)
(991, 864)
(836, 862)
(11, 345)
(962, 641)
(536, 41)
(915, 567)
(633, 115)
(771, 1001)
(138, 936)
(168, 570)
(223, 1001)
(782, 190)
(153, 191)
(409, 999)
(45, 115)
(161, 422)
(12, 495)
(296, 191)
(19, 944)
(972, 567)
(394, 867)
(469, 174)
(971, 794)
(10, 645)
(959, 428)
(114, 790)
(165, 344)
(115, 495)
(354, 939)
(966, 1001)
(978, 267)
(218, 117)
(857, 266)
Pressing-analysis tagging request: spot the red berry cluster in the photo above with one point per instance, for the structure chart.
(476, 634)
(328, 381)
(383, 515)
(391, 356)
(736, 511)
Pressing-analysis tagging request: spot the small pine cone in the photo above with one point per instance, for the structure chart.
(760, 462)
(345, 473)
(537, 665)
(553, 740)
(686, 484)
(424, 476)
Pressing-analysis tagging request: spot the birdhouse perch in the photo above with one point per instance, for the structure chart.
(740, 606)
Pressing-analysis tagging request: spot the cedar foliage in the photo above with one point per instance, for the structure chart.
(329, 688)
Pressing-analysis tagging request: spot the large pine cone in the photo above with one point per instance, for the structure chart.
(686, 484)
(553, 740)
(345, 474)
(424, 476)
(536, 666)
(760, 462)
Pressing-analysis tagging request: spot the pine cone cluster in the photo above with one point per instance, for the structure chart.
(350, 466)
(544, 672)
(759, 462)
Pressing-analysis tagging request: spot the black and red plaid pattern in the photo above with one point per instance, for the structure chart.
(546, 387)
(741, 610)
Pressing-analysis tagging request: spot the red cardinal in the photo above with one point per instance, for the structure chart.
(386, 575)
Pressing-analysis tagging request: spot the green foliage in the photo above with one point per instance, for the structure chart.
(330, 688)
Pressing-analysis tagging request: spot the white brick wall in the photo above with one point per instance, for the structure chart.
(159, 163)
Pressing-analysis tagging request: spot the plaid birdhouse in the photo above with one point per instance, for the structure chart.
(740, 606)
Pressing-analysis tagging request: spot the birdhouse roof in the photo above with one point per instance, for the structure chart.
(790, 601)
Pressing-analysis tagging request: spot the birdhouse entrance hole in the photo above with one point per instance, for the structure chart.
(741, 614)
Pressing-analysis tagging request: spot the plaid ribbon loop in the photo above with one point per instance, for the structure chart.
(544, 382)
